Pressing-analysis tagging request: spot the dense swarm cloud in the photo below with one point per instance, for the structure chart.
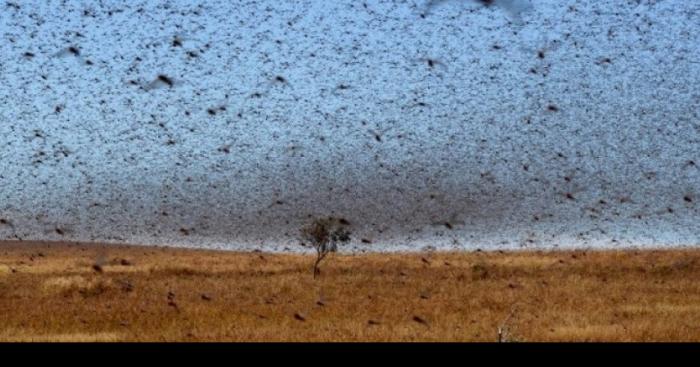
(451, 124)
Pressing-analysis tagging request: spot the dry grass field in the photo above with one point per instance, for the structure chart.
(71, 292)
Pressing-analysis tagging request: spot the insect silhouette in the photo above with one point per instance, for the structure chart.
(160, 80)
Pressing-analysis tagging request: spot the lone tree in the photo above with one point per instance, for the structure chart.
(325, 235)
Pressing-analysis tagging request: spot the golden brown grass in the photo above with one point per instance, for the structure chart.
(51, 292)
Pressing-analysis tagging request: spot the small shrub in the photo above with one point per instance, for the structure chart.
(325, 235)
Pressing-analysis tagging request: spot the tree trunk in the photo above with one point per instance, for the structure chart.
(317, 271)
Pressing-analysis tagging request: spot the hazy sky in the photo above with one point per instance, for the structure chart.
(446, 124)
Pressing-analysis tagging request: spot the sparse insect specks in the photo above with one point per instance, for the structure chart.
(280, 79)
(552, 108)
(514, 8)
